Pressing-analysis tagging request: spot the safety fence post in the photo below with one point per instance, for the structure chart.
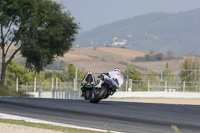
(165, 85)
(17, 85)
(56, 83)
(74, 84)
(126, 85)
(52, 85)
(184, 86)
(34, 88)
(130, 85)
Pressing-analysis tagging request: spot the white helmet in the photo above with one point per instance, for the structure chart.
(116, 69)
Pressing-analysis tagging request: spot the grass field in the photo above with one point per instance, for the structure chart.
(5, 91)
(107, 57)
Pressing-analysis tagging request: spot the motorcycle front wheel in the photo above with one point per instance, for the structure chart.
(98, 96)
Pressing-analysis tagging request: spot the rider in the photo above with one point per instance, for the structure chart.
(87, 78)
(116, 76)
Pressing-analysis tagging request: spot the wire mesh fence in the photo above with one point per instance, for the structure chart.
(185, 80)
(146, 80)
(45, 86)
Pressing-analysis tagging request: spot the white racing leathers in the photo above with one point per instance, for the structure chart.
(118, 76)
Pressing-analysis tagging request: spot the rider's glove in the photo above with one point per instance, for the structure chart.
(101, 76)
(116, 81)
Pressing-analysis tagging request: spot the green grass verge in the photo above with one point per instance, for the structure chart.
(47, 126)
(176, 130)
(5, 91)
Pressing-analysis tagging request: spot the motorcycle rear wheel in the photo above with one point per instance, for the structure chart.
(87, 95)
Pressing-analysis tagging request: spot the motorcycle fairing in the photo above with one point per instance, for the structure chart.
(109, 82)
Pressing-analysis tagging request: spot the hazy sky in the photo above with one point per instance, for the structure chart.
(93, 13)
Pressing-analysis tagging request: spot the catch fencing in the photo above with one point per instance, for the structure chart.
(167, 80)
(181, 80)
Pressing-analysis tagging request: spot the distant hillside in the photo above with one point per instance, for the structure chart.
(178, 32)
(102, 59)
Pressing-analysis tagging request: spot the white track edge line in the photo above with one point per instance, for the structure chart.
(27, 119)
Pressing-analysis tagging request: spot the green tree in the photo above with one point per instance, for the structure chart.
(189, 66)
(167, 73)
(158, 56)
(169, 55)
(154, 57)
(72, 70)
(39, 29)
(148, 57)
(133, 73)
(151, 75)
(14, 70)
(138, 59)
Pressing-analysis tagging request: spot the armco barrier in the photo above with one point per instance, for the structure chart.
(57, 94)
(157, 94)
(119, 94)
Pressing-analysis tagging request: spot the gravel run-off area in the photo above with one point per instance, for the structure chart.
(11, 128)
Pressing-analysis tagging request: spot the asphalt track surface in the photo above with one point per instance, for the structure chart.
(118, 116)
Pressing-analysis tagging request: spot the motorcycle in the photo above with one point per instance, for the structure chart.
(104, 88)
(88, 88)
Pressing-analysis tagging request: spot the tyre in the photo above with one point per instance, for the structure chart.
(87, 95)
(97, 97)
(107, 95)
(91, 101)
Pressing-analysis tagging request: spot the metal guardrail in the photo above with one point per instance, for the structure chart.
(58, 94)
(66, 94)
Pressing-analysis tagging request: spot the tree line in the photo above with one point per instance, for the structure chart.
(153, 56)
(24, 75)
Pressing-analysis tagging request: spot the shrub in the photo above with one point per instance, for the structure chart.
(154, 57)
(95, 48)
(123, 63)
(5, 91)
(138, 59)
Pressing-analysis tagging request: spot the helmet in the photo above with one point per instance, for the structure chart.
(89, 72)
(116, 69)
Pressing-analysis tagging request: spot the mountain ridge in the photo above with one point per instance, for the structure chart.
(178, 32)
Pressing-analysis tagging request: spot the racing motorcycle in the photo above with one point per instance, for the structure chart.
(88, 88)
(104, 88)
